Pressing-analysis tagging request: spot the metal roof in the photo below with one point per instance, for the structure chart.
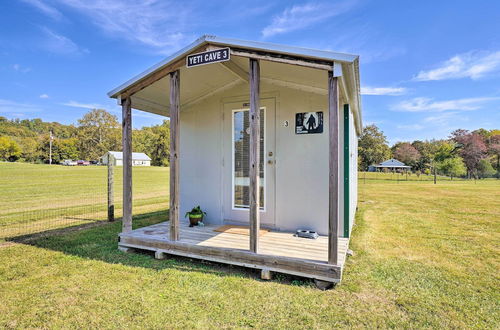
(350, 64)
(391, 163)
(254, 45)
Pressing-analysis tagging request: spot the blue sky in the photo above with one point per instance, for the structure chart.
(427, 67)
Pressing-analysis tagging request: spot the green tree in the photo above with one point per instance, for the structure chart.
(98, 133)
(494, 150)
(444, 150)
(30, 148)
(427, 149)
(154, 141)
(484, 169)
(453, 167)
(9, 149)
(372, 147)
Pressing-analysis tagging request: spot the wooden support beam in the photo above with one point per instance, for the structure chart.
(174, 157)
(158, 74)
(295, 266)
(154, 77)
(272, 57)
(111, 184)
(236, 70)
(333, 182)
(254, 189)
(127, 164)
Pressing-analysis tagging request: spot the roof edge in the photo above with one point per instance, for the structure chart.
(254, 45)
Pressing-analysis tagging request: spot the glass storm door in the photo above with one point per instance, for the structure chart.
(236, 162)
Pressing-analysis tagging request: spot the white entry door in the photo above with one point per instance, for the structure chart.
(236, 162)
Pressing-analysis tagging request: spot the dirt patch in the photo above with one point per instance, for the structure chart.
(7, 244)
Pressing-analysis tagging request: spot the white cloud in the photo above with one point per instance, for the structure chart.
(442, 118)
(76, 104)
(16, 108)
(45, 8)
(414, 127)
(20, 68)
(60, 44)
(421, 104)
(153, 23)
(474, 65)
(302, 16)
(44, 96)
(366, 90)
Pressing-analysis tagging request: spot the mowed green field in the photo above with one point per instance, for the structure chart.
(45, 197)
(426, 256)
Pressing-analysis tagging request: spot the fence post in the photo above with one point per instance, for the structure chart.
(111, 202)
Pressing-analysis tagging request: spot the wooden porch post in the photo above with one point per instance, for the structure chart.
(333, 183)
(254, 170)
(127, 164)
(174, 150)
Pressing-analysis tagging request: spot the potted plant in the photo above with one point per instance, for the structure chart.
(195, 216)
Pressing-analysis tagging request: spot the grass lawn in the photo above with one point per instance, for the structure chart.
(425, 256)
(37, 197)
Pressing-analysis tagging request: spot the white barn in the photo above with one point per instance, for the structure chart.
(138, 158)
(302, 105)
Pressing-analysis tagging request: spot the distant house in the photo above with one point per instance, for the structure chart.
(138, 158)
(391, 165)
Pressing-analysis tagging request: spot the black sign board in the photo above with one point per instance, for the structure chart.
(212, 56)
(309, 122)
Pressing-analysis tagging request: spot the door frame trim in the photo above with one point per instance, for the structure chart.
(244, 98)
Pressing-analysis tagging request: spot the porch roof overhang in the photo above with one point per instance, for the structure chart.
(149, 90)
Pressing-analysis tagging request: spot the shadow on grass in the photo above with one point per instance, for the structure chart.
(98, 240)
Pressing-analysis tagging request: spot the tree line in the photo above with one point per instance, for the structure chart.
(463, 154)
(471, 154)
(96, 133)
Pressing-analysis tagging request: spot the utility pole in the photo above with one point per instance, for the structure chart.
(50, 147)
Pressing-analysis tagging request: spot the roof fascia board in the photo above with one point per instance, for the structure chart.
(172, 58)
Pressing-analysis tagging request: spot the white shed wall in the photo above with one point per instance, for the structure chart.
(301, 160)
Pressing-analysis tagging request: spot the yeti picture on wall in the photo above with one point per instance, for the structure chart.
(309, 122)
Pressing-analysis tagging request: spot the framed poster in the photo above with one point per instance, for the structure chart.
(309, 122)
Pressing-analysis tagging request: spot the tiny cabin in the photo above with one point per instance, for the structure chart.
(264, 139)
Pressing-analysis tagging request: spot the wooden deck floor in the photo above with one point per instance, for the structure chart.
(278, 244)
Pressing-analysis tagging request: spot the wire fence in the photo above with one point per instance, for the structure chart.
(364, 177)
(42, 198)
